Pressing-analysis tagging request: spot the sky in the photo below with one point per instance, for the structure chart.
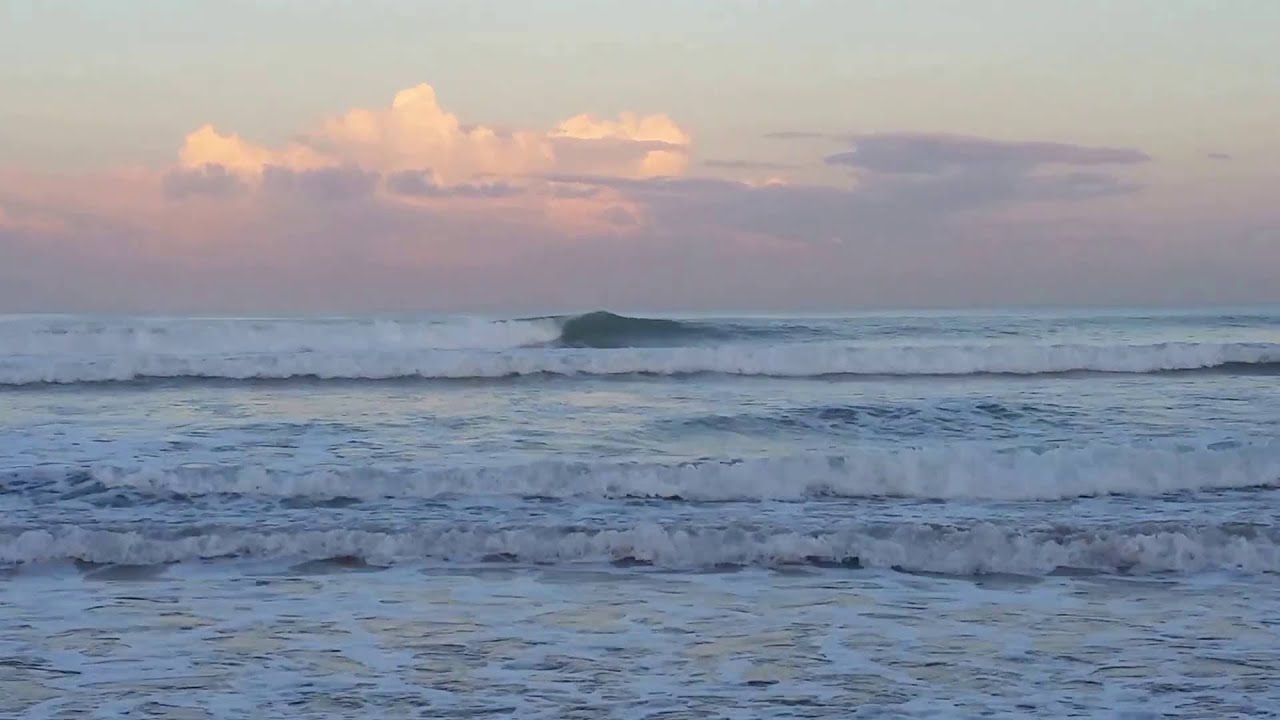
(495, 156)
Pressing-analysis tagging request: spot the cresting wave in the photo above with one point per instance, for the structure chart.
(602, 329)
(980, 549)
(57, 336)
(793, 360)
(947, 473)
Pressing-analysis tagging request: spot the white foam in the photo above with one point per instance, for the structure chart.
(974, 471)
(137, 338)
(983, 548)
(230, 361)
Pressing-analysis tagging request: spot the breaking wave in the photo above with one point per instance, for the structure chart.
(795, 361)
(68, 350)
(984, 548)
(948, 473)
(71, 335)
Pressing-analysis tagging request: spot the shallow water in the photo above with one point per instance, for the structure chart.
(885, 515)
(522, 641)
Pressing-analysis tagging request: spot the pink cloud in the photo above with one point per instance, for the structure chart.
(416, 132)
(414, 156)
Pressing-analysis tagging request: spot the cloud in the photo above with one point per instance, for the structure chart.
(801, 135)
(920, 187)
(415, 131)
(574, 191)
(908, 153)
(422, 183)
(322, 185)
(620, 216)
(1076, 186)
(662, 142)
(748, 165)
(1218, 156)
(416, 162)
(207, 180)
(935, 177)
(206, 146)
(408, 206)
(629, 126)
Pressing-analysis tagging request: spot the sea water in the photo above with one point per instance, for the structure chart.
(885, 515)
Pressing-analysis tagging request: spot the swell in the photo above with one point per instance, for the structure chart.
(603, 329)
(956, 472)
(812, 360)
(978, 549)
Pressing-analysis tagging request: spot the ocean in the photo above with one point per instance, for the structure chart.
(911, 514)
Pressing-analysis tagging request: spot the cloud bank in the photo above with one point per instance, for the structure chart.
(913, 153)
(407, 206)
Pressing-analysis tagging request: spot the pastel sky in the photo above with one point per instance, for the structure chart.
(506, 156)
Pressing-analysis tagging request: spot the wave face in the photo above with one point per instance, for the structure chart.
(947, 473)
(984, 548)
(602, 329)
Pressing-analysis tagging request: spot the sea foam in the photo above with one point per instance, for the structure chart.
(796, 360)
(959, 471)
(75, 350)
(983, 548)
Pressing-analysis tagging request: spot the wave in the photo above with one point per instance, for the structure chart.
(72, 350)
(789, 361)
(55, 336)
(63, 336)
(955, 472)
(602, 329)
(984, 548)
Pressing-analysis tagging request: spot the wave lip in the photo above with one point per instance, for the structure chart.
(956, 472)
(794, 361)
(979, 549)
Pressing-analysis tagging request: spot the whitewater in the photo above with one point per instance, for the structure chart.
(77, 352)
(601, 514)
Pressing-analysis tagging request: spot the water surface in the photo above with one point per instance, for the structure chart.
(921, 515)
